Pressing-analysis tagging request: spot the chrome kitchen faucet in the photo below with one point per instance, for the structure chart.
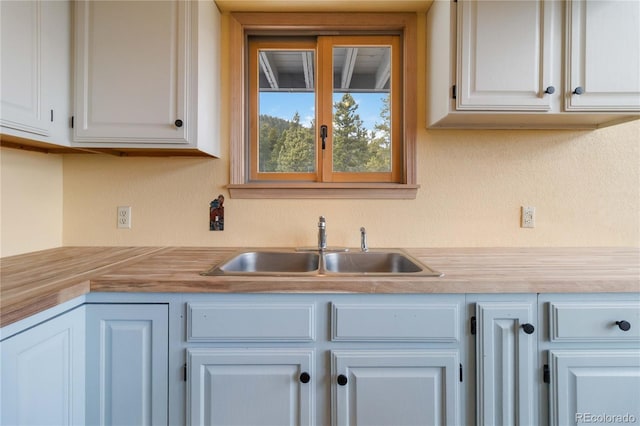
(322, 234)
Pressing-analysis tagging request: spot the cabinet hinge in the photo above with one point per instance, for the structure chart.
(52, 116)
(460, 373)
(454, 91)
(72, 121)
(472, 325)
(546, 374)
(184, 372)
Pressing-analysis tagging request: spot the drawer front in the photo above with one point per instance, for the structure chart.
(250, 322)
(399, 323)
(594, 321)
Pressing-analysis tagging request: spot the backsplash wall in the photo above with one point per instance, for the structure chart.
(30, 201)
(584, 185)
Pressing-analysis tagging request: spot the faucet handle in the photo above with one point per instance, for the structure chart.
(363, 239)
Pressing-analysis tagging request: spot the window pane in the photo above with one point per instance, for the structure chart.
(286, 105)
(361, 109)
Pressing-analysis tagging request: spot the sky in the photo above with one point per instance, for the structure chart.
(285, 105)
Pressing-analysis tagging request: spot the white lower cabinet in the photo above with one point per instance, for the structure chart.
(592, 358)
(250, 386)
(43, 373)
(127, 364)
(407, 387)
(506, 361)
(594, 386)
(326, 359)
(363, 360)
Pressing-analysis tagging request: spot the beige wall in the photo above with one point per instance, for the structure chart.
(584, 184)
(30, 201)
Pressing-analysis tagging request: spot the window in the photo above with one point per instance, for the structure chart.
(329, 106)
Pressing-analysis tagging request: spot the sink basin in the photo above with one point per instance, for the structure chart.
(376, 263)
(342, 263)
(268, 263)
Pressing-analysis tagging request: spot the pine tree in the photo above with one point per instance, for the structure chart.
(270, 141)
(297, 153)
(350, 147)
(380, 145)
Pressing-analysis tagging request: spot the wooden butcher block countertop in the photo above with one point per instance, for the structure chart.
(36, 281)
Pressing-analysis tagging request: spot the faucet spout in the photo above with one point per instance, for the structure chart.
(322, 234)
(363, 240)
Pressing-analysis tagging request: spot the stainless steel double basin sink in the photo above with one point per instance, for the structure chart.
(291, 262)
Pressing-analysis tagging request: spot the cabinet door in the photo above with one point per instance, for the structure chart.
(36, 64)
(250, 387)
(505, 51)
(131, 62)
(594, 386)
(603, 55)
(127, 364)
(43, 373)
(411, 387)
(506, 362)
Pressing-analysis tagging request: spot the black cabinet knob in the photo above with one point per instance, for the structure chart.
(623, 325)
(178, 123)
(528, 328)
(342, 380)
(305, 377)
(578, 91)
(550, 90)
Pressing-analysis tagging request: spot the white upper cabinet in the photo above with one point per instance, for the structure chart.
(504, 61)
(36, 65)
(146, 75)
(603, 55)
(532, 63)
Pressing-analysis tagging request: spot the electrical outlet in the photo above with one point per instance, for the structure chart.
(124, 217)
(528, 217)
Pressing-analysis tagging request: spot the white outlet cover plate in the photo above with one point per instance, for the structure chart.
(124, 217)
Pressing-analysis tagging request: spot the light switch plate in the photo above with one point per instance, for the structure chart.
(528, 217)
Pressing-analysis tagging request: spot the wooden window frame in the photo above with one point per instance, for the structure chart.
(242, 25)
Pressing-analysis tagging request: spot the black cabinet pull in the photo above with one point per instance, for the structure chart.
(178, 123)
(578, 91)
(550, 90)
(305, 377)
(342, 380)
(623, 325)
(528, 328)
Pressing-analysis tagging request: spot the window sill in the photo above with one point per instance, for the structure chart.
(324, 190)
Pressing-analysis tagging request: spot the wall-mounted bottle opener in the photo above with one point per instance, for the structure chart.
(216, 214)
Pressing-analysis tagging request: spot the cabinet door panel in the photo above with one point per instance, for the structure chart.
(504, 59)
(250, 387)
(587, 383)
(43, 373)
(131, 60)
(395, 388)
(127, 362)
(23, 105)
(505, 364)
(603, 55)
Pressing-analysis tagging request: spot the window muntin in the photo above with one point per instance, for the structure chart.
(354, 88)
